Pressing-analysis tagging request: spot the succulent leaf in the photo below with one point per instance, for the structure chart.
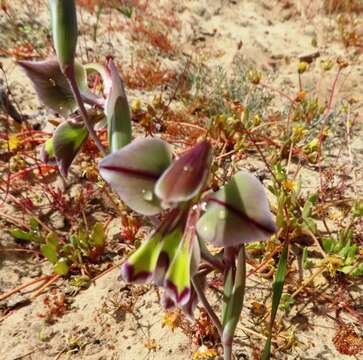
(186, 177)
(133, 171)
(238, 213)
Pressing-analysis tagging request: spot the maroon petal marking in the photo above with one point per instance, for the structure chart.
(127, 272)
(180, 299)
(269, 230)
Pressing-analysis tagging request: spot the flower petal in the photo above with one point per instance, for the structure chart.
(152, 258)
(186, 177)
(140, 266)
(133, 171)
(238, 213)
(185, 262)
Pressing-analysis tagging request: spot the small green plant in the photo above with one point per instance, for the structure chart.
(65, 255)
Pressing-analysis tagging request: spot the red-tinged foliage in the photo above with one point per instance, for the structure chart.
(347, 341)
(55, 305)
(140, 31)
(204, 331)
(147, 76)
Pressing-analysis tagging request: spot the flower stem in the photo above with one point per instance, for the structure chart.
(207, 305)
(69, 73)
(234, 305)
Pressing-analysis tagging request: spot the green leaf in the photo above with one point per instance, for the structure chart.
(23, 235)
(307, 264)
(52, 240)
(358, 271)
(286, 302)
(310, 223)
(98, 235)
(134, 170)
(49, 252)
(328, 244)
(68, 139)
(61, 267)
(306, 211)
(238, 213)
(277, 288)
(68, 249)
(34, 224)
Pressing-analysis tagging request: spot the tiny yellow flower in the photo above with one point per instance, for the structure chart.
(302, 67)
(289, 185)
(205, 353)
(136, 106)
(14, 142)
(171, 319)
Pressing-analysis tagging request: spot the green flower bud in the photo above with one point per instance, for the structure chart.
(64, 30)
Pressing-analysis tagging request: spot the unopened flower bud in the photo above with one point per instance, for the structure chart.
(64, 30)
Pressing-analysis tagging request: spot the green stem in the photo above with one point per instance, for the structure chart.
(69, 73)
(235, 304)
(276, 296)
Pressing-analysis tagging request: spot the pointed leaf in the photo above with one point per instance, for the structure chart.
(52, 86)
(238, 213)
(117, 111)
(186, 177)
(23, 235)
(133, 171)
(67, 141)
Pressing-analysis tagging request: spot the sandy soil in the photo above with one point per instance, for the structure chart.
(269, 35)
